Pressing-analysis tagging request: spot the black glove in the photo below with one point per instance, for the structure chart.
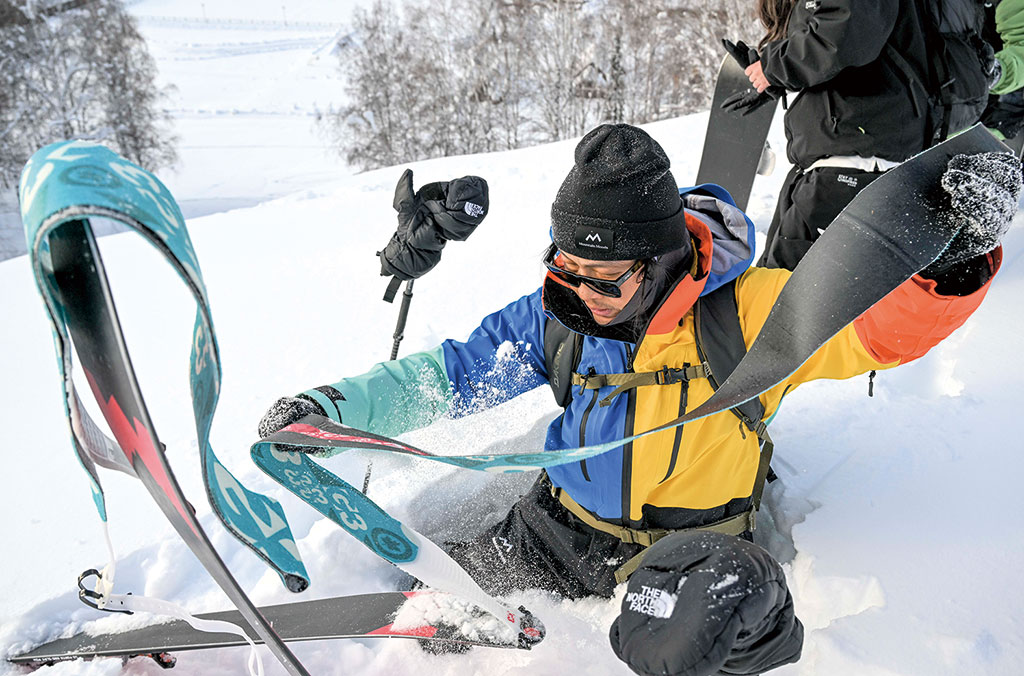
(984, 191)
(705, 603)
(286, 411)
(750, 99)
(428, 218)
(744, 54)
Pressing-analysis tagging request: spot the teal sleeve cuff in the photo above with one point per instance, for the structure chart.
(391, 398)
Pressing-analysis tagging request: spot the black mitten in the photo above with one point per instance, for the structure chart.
(429, 217)
(286, 411)
(750, 100)
(704, 602)
(984, 191)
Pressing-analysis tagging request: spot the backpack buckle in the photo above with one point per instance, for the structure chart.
(667, 376)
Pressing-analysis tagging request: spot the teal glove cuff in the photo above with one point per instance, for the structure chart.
(392, 398)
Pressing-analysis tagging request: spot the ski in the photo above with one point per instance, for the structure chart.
(95, 330)
(62, 188)
(734, 142)
(424, 615)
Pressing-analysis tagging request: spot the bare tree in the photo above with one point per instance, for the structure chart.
(77, 70)
(375, 129)
(465, 76)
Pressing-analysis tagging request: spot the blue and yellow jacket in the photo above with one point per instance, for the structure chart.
(691, 475)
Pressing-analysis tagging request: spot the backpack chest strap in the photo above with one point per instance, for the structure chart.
(627, 381)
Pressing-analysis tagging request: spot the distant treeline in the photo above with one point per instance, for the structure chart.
(77, 69)
(445, 77)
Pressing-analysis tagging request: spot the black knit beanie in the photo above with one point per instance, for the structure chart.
(620, 201)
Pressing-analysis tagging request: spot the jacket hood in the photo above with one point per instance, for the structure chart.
(723, 245)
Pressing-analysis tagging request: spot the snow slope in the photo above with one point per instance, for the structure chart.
(895, 516)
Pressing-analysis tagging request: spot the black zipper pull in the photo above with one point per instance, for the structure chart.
(871, 384)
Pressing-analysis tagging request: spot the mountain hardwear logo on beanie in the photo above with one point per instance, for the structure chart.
(620, 201)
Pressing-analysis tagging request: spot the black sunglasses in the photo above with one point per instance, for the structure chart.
(605, 287)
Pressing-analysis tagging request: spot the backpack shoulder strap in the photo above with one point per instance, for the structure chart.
(720, 345)
(563, 349)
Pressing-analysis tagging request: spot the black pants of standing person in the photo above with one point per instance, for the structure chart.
(808, 202)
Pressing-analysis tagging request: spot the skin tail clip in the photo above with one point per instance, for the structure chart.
(95, 599)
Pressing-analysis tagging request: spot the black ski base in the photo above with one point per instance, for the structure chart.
(361, 616)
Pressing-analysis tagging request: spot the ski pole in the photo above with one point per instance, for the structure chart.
(403, 315)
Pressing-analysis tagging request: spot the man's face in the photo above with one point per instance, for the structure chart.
(604, 308)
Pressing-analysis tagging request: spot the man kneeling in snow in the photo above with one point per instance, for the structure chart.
(648, 290)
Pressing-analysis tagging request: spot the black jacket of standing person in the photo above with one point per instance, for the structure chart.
(876, 83)
(861, 69)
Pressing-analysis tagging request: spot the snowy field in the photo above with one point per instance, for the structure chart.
(896, 516)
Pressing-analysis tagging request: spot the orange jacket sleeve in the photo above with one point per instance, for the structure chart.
(914, 318)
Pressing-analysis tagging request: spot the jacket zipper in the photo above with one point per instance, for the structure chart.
(830, 110)
(683, 395)
(583, 427)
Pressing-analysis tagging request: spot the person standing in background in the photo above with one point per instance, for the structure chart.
(867, 77)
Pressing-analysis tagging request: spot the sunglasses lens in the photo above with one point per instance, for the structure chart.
(567, 277)
(608, 288)
(604, 288)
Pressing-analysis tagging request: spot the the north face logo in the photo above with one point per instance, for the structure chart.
(590, 237)
(473, 210)
(652, 601)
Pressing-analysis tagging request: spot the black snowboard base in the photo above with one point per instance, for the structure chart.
(361, 616)
(734, 142)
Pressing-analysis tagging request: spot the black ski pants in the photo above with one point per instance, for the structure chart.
(701, 603)
(808, 202)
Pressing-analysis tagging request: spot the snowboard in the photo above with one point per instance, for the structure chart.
(380, 615)
(1016, 144)
(734, 142)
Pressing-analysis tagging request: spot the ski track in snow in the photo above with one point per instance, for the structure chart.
(894, 516)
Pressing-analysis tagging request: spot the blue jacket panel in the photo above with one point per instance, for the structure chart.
(501, 359)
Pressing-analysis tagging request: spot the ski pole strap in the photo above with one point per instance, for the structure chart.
(627, 381)
(392, 290)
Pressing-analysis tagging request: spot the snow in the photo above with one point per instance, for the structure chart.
(895, 517)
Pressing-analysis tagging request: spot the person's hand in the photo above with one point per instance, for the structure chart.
(984, 192)
(706, 603)
(284, 412)
(429, 217)
(755, 73)
(747, 101)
